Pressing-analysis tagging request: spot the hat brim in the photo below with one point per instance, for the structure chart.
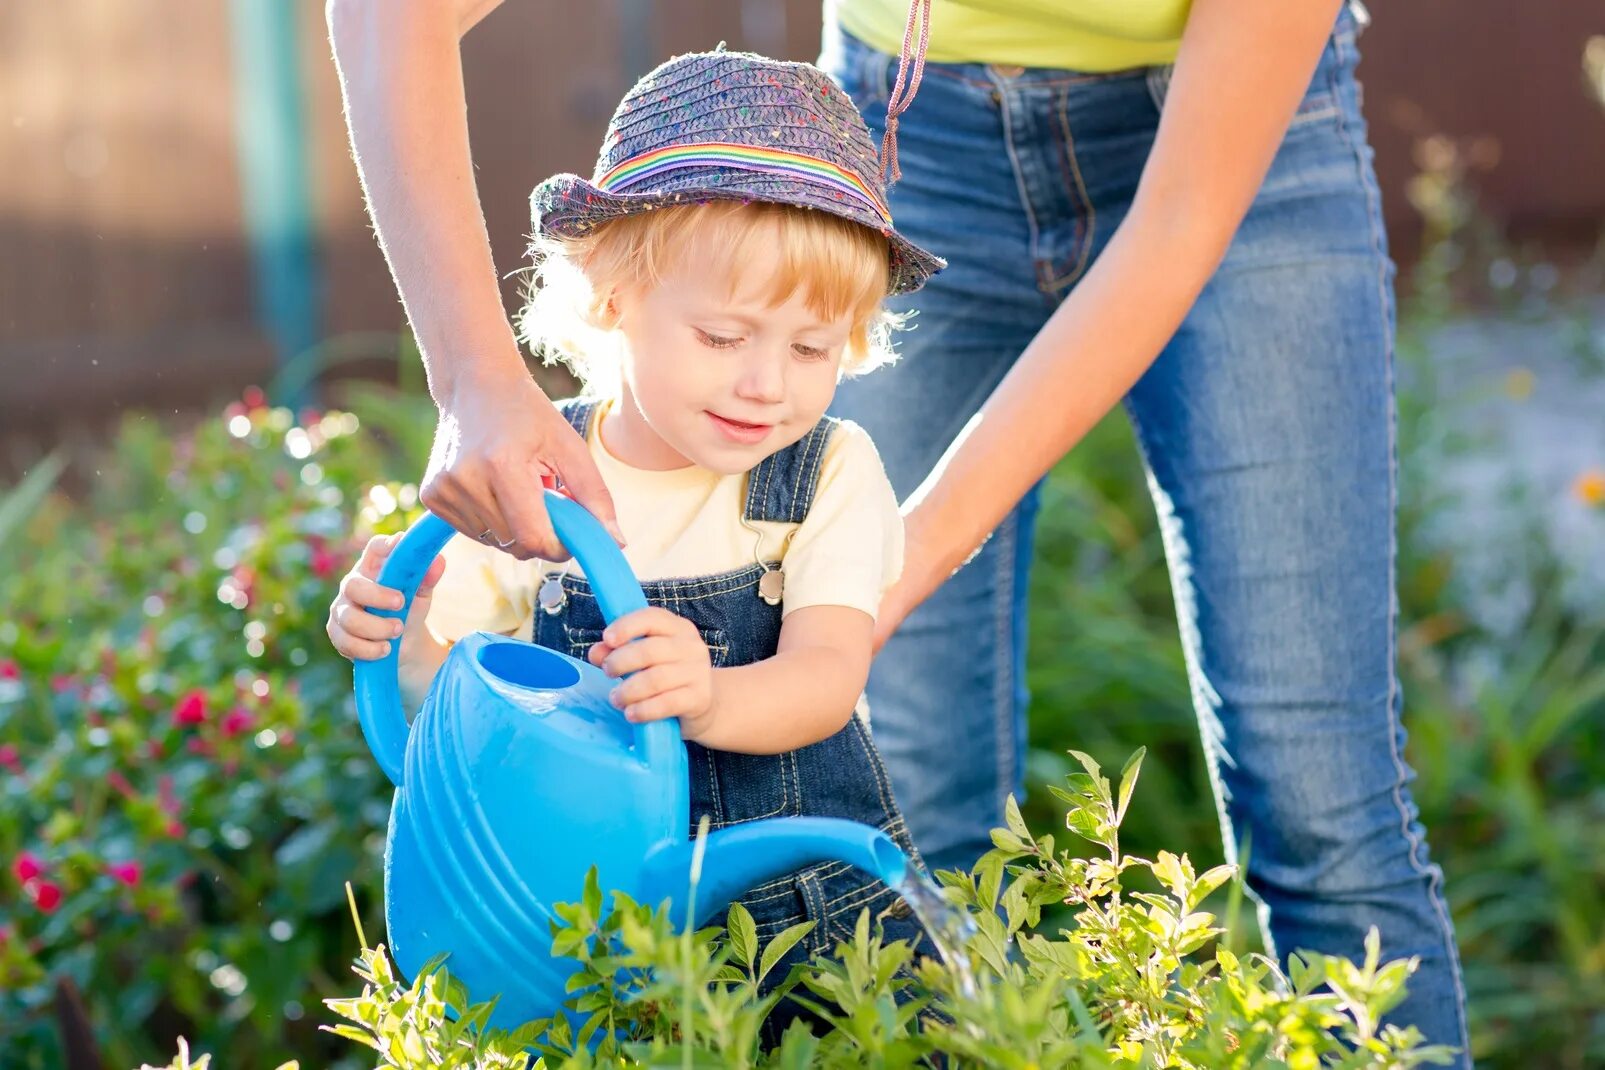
(570, 206)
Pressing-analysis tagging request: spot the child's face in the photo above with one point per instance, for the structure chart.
(718, 376)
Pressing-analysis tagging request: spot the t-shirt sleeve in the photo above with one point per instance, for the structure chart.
(849, 549)
(483, 590)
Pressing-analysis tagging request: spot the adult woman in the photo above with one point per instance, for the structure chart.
(1201, 238)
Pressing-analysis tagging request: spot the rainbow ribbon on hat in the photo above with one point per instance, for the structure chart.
(744, 158)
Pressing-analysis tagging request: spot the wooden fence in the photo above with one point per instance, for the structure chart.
(127, 278)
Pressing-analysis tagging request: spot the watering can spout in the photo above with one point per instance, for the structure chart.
(741, 857)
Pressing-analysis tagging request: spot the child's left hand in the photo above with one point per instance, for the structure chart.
(673, 673)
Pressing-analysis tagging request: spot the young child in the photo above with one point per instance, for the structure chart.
(710, 286)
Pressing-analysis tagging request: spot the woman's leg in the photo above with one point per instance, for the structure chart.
(946, 695)
(1268, 427)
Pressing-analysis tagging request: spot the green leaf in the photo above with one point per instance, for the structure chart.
(1128, 782)
(19, 503)
(743, 934)
(1016, 823)
(781, 944)
(1207, 883)
(351, 1032)
(1093, 768)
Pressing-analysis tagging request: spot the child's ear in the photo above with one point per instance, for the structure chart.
(607, 311)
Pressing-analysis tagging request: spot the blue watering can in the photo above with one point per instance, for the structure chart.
(518, 775)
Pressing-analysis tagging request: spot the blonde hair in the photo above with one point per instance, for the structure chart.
(838, 266)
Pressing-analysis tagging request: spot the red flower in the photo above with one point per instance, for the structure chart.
(175, 829)
(46, 895)
(26, 867)
(324, 563)
(238, 720)
(154, 748)
(191, 709)
(199, 746)
(253, 397)
(127, 872)
(10, 758)
(9, 670)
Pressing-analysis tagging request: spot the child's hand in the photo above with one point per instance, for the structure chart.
(364, 636)
(673, 672)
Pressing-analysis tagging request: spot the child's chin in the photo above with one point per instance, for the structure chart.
(730, 461)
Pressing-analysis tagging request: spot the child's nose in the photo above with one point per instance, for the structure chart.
(763, 379)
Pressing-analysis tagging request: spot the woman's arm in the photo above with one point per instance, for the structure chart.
(401, 76)
(1242, 69)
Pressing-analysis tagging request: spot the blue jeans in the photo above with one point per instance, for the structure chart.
(1267, 428)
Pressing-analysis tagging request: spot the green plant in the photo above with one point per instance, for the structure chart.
(182, 777)
(1124, 985)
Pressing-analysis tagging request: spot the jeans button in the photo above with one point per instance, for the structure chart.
(1007, 70)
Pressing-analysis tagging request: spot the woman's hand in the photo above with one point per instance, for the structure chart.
(497, 441)
(922, 574)
(670, 670)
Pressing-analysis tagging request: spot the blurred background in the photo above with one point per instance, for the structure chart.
(207, 381)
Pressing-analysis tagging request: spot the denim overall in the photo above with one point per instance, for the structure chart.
(841, 776)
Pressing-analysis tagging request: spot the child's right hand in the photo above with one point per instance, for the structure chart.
(360, 634)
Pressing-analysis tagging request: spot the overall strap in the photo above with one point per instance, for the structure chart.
(781, 488)
(577, 411)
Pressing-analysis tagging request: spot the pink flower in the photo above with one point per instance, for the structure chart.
(46, 895)
(127, 872)
(199, 746)
(9, 670)
(191, 709)
(10, 758)
(175, 829)
(244, 578)
(324, 563)
(26, 867)
(253, 397)
(238, 720)
(116, 779)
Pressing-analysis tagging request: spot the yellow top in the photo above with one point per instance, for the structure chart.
(687, 522)
(1079, 35)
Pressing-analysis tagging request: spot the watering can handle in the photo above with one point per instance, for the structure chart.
(617, 591)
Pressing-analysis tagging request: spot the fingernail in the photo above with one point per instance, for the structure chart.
(613, 696)
(395, 629)
(613, 530)
(386, 654)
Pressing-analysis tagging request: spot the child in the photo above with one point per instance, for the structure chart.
(710, 286)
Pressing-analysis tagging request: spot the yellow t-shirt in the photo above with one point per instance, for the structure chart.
(687, 522)
(1078, 35)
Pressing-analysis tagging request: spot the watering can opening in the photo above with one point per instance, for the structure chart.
(531, 667)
